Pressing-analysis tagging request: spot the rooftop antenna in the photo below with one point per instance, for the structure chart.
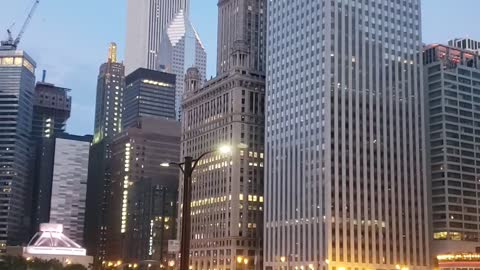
(44, 75)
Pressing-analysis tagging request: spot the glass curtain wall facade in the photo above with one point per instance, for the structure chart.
(452, 83)
(181, 49)
(17, 83)
(148, 93)
(146, 23)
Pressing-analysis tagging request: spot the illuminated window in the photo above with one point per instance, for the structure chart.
(7, 61)
(440, 235)
(18, 61)
(28, 65)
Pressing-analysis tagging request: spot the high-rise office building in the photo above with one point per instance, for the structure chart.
(60, 187)
(241, 27)
(143, 197)
(51, 110)
(146, 23)
(148, 93)
(109, 102)
(346, 179)
(108, 123)
(466, 44)
(181, 48)
(452, 86)
(227, 190)
(17, 83)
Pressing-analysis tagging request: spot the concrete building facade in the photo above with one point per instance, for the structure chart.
(51, 110)
(227, 190)
(69, 184)
(346, 180)
(142, 207)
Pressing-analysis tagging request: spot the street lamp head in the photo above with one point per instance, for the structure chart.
(239, 259)
(171, 263)
(283, 259)
(245, 261)
(165, 164)
(225, 149)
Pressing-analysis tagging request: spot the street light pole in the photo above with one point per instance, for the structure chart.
(186, 218)
(187, 168)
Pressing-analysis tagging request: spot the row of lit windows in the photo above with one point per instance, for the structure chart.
(209, 201)
(16, 62)
(126, 184)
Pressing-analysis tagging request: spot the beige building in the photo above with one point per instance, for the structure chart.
(227, 191)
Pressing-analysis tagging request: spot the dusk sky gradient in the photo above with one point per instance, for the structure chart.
(70, 39)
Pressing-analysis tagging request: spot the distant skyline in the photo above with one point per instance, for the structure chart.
(70, 39)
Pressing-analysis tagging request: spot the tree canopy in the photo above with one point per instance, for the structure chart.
(20, 263)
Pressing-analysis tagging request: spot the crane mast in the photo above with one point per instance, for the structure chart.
(11, 43)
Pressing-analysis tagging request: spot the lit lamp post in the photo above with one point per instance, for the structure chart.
(187, 167)
(242, 260)
(171, 264)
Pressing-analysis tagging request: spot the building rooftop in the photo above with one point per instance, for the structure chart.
(151, 75)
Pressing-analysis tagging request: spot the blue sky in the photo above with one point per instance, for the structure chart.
(70, 38)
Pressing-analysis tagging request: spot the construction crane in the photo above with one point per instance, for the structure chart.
(13, 43)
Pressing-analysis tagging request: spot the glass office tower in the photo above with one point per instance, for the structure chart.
(17, 83)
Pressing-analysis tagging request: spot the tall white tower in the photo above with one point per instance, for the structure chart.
(181, 49)
(346, 185)
(146, 22)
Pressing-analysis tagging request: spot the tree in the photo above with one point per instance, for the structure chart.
(39, 264)
(75, 267)
(13, 263)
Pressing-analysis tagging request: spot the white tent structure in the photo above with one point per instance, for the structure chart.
(50, 240)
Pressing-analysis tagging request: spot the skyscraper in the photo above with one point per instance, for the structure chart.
(181, 48)
(146, 22)
(148, 93)
(227, 191)
(143, 197)
(346, 178)
(17, 83)
(108, 123)
(452, 85)
(109, 102)
(241, 26)
(61, 183)
(51, 110)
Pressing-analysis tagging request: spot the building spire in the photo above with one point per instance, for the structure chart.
(112, 52)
